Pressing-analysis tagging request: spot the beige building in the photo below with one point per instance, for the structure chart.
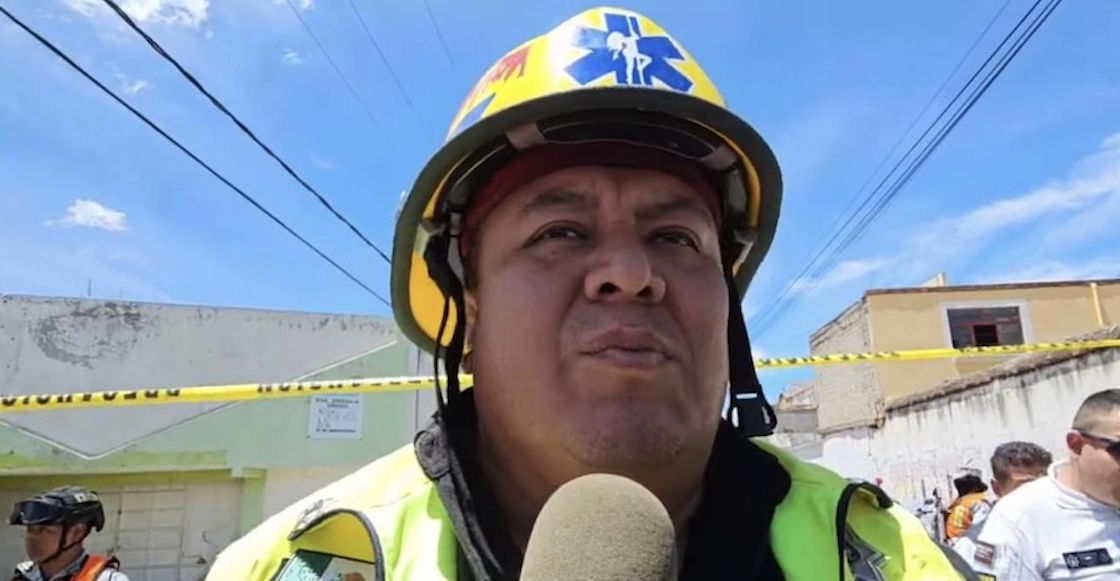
(854, 397)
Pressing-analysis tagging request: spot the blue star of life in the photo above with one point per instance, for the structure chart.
(632, 58)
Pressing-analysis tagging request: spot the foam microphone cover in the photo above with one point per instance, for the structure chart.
(601, 527)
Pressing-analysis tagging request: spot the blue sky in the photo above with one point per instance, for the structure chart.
(1026, 188)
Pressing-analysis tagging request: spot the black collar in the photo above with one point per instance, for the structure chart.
(728, 537)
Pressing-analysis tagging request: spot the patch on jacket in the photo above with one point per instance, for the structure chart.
(315, 566)
(311, 516)
(1087, 559)
(985, 553)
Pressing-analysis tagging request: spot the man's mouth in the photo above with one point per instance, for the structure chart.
(629, 347)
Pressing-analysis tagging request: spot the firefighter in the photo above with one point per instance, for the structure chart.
(584, 239)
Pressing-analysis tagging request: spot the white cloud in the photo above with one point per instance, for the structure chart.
(132, 89)
(1056, 270)
(322, 163)
(187, 13)
(846, 271)
(301, 4)
(1086, 202)
(91, 214)
(291, 58)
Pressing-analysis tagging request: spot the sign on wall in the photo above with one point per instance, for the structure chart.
(337, 417)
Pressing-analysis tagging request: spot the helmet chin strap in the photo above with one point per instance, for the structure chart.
(436, 256)
(62, 546)
(749, 412)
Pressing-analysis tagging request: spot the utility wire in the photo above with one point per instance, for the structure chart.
(240, 125)
(779, 309)
(439, 33)
(151, 124)
(337, 70)
(385, 61)
(833, 233)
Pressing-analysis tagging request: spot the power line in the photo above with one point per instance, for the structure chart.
(151, 124)
(781, 306)
(439, 33)
(337, 70)
(385, 61)
(240, 125)
(833, 233)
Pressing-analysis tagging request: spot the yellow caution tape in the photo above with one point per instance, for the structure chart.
(211, 393)
(927, 354)
(254, 391)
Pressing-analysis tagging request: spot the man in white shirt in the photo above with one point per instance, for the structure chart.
(1013, 465)
(1066, 525)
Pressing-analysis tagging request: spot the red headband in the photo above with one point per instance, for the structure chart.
(546, 159)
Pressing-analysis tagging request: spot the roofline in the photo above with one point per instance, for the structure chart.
(980, 287)
(61, 298)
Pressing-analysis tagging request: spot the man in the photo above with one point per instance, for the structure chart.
(1066, 525)
(584, 237)
(970, 504)
(1017, 463)
(58, 522)
(1013, 465)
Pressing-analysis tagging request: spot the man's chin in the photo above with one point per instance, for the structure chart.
(627, 443)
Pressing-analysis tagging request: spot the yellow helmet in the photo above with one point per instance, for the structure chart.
(607, 74)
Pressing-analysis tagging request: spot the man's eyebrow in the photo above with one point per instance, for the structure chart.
(559, 199)
(683, 204)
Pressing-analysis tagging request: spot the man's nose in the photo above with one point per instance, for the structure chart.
(621, 270)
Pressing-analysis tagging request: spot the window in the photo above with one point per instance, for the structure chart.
(985, 326)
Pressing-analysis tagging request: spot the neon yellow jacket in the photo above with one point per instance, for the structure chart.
(386, 521)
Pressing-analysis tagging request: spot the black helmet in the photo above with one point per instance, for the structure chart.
(65, 505)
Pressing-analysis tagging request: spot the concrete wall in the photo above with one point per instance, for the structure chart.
(66, 345)
(919, 446)
(916, 319)
(846, 395)
(257, 453)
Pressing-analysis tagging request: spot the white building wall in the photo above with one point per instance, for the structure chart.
(919, 447)
(284, 486)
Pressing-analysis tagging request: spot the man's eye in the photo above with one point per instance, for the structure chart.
(559, 232)
(677, 237)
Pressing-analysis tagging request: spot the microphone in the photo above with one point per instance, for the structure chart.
(601, 527)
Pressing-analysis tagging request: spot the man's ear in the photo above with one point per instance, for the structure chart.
(77, 533)
(470, 305)
(996, 487)
(1075, 442)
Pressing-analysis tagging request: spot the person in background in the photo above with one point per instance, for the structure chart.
(931, 513)
(971, 504)
(1013, 465)
(58, 522)
(1067, 524)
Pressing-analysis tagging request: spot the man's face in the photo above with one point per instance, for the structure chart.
(1016, 477)
(598, 319)
(41, 541)
(1099, 470)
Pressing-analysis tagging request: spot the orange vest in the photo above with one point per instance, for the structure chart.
(960, 514)
(93, 567)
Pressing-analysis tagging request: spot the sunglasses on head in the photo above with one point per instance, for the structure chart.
(1110, 445)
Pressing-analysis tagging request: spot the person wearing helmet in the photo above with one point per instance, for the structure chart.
(971, 504)
(581, 244)
(58, 522)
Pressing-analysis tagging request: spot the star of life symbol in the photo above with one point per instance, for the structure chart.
(623, 50)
